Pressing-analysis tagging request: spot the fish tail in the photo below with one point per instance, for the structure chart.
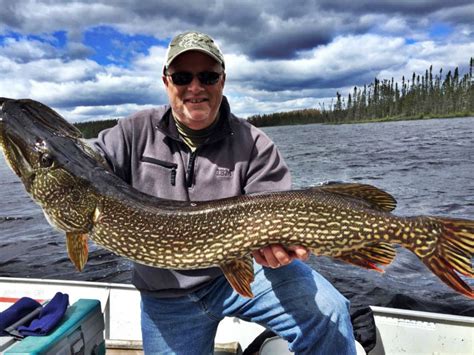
(452, 253)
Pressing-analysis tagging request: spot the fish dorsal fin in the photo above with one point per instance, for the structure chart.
(376, 198)
(239, 273)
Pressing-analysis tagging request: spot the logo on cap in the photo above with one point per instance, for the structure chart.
(193, 39)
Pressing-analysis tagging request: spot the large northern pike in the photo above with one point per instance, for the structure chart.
(80, 196)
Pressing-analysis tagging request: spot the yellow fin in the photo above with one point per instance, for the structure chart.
(77, 249)
(376, 198)
(453, 253)
(369, 256)
(239, 273)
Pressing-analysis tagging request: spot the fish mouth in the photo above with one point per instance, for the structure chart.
(16, 155)
(17, 145)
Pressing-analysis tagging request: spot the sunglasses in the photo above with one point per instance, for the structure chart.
(204, 77)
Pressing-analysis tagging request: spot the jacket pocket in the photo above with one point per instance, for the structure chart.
(171, 166)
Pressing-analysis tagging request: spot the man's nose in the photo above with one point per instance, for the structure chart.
(195, 84)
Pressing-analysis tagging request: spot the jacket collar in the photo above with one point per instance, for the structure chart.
(167, 126)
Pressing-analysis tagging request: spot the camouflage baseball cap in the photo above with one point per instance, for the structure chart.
(193, 41)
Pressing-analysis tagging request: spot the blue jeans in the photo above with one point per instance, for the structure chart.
(294, 301)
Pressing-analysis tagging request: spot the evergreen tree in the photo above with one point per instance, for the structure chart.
(422, 96)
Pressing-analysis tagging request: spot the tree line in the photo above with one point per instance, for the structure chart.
(425, 95)
(305, 116)
(91, 129)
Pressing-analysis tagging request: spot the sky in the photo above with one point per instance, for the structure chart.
(94, 60)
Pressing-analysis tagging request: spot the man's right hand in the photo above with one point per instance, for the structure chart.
(276, 255)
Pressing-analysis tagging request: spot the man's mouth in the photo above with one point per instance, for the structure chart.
(196, 101)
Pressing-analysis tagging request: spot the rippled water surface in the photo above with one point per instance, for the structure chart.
(427, 165)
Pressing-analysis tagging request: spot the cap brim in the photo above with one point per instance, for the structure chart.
(209, 53)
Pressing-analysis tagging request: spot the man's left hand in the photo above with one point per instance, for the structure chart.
(276, 255)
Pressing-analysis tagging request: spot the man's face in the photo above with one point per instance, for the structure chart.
(196, 105)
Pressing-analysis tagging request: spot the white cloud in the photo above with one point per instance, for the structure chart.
(97, 113)
(331, 47)
(67, 85)
(32, 16)
(152, 62)
(23, 50)
(394, 25)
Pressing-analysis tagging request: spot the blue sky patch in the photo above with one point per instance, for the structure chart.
(113, 47)
(440, 30)
(9, 35)
(61, 39)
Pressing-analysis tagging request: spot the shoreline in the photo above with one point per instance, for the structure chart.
(398, 119)
(376, 120)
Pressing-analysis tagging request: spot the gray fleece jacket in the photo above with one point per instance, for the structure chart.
(146, 151)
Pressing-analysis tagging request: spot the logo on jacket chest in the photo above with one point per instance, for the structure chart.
(223, 172)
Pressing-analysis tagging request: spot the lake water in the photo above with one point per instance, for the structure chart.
(427, 165)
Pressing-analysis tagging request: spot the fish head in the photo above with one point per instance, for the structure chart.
(40, 147)
(24, 152)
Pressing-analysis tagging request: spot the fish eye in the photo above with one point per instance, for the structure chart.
(46, 160)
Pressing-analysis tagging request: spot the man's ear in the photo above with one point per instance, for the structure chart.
(165, 80)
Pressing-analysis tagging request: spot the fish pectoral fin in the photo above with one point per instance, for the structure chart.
(239, 273)
(371, 195)
(370, 256)
(77, 249)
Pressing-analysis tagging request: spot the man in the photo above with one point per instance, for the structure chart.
(196, 149)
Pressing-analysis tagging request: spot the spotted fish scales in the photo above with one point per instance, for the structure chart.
(350, 222)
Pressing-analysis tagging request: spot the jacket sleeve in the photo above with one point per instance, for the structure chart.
(114, 144)
(267, 170)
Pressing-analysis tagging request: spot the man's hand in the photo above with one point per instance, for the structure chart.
(276, 255)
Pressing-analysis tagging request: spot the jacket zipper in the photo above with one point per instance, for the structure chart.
(190, 169)
(172, 166)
